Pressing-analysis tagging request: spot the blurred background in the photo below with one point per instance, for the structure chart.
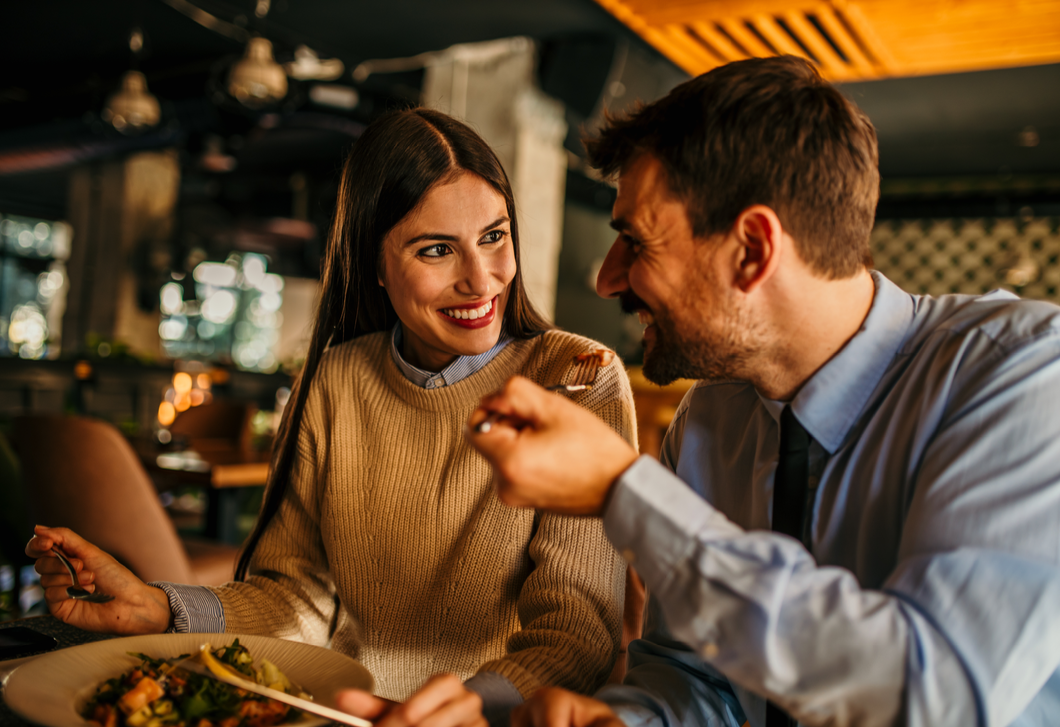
(168, 172)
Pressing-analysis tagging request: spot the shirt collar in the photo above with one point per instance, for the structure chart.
(830, 402)
(457, 371)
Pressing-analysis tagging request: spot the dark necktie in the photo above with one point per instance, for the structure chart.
(789, 505)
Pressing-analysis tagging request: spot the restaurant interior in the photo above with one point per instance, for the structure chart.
(169, 170)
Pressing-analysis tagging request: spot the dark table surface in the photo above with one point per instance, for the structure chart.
(67, 636)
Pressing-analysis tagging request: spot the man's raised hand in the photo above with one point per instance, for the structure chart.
(548, 452)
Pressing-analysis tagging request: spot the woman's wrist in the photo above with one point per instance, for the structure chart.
(156, 613)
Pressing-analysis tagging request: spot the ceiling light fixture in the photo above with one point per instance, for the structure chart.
(257, 80)
(132, 108)
(307, 66)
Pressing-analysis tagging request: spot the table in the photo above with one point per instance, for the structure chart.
(67, 636)
(221, 472)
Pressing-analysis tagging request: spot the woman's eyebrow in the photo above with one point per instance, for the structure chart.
(432, 236)
(442, 237)
(490, 226)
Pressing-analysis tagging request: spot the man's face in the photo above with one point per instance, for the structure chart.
(696, 326)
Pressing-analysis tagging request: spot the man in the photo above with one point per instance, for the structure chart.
(857, 515)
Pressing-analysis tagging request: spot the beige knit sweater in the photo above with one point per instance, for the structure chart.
(392, 543)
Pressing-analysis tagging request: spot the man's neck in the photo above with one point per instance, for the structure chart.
(813, 320)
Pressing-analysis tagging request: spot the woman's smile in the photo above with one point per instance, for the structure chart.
(472, 315)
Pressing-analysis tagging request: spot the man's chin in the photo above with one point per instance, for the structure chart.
(658, 368)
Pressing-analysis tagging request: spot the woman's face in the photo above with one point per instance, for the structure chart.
(447, 267)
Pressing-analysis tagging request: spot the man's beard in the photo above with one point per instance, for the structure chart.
(703, 351)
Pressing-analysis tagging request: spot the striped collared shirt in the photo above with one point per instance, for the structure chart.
(458, 370)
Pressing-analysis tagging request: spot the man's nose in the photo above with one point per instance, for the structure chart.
(612, 280)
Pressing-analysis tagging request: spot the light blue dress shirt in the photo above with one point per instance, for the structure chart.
(930, 592)
(197, 610)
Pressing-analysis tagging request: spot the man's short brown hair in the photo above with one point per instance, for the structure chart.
(763, 131)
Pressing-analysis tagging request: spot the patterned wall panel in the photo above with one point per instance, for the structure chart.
(971, 255)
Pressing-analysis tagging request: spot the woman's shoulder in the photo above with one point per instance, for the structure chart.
(559, 343)
(361, 351)
(556, 352)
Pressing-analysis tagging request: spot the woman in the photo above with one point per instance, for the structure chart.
(380, 532)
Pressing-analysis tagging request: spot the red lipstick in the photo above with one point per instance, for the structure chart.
(467, 322)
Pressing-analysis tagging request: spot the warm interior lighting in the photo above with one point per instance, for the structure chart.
(257, 79)
(182, 383)
(132, 108)
(203, 381)
(166, 413)
(82, 370)
(307, 66)
(849, 39)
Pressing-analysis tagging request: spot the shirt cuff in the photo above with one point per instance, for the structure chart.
(654, 518)
(196, 609)
(499, 696)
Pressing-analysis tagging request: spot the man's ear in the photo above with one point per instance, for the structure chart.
(761, 239)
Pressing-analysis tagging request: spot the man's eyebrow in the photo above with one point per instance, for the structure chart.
(441, 237)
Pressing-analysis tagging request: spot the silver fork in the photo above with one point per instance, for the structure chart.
(76, 591)
(582, 378)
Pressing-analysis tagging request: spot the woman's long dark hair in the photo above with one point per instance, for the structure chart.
(395, 162)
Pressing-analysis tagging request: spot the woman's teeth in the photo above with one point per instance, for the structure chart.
(469, 314)
(646, 318)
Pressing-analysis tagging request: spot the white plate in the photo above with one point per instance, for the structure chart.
(50, 689)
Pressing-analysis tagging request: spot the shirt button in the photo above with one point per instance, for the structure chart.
(629, 555)
(709, 650)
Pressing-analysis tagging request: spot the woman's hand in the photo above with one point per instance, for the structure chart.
(443, 701)
(137, 608)
(552, 707)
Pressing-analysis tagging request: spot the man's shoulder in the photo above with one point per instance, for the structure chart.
(999, 317)
(714, 397)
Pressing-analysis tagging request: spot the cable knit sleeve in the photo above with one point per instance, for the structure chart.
(289, 593)
(570, 606)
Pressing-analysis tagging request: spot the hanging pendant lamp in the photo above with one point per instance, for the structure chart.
(132, 108)
(257, 80)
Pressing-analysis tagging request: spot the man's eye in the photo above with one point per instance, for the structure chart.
(438, 250)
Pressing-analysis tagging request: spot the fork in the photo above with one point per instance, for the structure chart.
(582, 376)
(206, 664)
(76, 591)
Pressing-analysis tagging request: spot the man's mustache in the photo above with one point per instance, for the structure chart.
(631, 303)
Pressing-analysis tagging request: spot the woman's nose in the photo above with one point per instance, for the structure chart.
(612, 280)
(475, 276)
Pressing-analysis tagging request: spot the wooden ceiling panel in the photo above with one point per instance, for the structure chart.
(850, 39)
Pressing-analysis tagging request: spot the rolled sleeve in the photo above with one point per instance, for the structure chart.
(196, 610)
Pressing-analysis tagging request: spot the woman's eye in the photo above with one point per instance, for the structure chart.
(494, 236)
(438, 250)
